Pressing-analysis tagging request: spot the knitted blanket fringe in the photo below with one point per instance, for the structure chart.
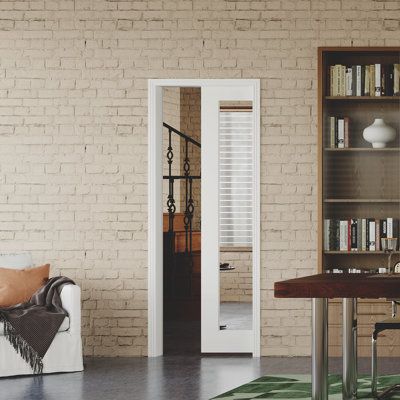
(22, 347)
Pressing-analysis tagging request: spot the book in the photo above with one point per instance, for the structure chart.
(332, 132)
(366, 81)
(389, 80)
(377, 236)
(389, 232)
(378, 80)
(340, 135)
(362, 84)
(372, 238)
(359, 234)
(342, 80)
(349, 77)
(344, 235)
(353, 235)
(367, 234)
(346, 131)
(327, 223)
(354, 80)
(363, 234)
(383, 228)
(396, 79)
(358, 82)
(372, 80)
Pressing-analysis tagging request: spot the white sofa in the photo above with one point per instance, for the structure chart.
(65, 353)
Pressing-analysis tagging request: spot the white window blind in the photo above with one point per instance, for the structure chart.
(236, 177)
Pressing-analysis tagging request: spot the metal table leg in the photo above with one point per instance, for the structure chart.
(349, 349)
(319, 349)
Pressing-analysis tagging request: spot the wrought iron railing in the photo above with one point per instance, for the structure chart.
(188, 179)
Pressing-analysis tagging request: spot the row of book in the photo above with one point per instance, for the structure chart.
(358, 234)
(339, 132)
(365, 80)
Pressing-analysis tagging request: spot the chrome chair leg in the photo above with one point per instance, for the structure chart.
(374, 377)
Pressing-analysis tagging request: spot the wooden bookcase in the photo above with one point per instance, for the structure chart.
(358, 181)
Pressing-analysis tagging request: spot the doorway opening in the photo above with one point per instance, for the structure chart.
(181, 201)
(204, 252)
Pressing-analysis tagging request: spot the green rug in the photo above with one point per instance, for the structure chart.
(299, 387)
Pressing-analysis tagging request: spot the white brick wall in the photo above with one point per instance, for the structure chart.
(73, 137)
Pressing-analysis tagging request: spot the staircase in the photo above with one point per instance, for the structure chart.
(182, 244)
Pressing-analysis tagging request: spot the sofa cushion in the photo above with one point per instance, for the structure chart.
(18, 286)
(63, 328)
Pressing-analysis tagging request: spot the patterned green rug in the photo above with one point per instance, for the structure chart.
(287, 387)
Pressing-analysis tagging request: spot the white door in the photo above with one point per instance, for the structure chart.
(217, 335)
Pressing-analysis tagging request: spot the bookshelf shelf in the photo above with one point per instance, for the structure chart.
(364, 98)
(362, 200)
(355, 253)
(363, 149)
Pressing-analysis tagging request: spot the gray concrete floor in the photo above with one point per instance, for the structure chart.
(169, 377)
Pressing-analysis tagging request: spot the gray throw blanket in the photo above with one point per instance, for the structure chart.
(31, 327)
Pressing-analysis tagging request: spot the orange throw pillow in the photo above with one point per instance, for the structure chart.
(18, 286)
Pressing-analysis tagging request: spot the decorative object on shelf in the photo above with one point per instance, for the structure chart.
(379, 134)
(389, 245)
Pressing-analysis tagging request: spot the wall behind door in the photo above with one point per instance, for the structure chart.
(73, 138)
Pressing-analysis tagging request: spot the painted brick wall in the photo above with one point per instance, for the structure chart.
(236, 285)
(73, 137)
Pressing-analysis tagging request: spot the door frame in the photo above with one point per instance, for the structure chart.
(155, 207)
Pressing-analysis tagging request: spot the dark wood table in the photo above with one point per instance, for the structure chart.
(348, 287)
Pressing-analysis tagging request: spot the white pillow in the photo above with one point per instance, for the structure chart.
(16, 260)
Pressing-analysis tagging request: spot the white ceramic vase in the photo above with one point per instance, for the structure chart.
(379, 134)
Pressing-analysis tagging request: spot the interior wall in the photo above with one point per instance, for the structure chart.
(73, 138)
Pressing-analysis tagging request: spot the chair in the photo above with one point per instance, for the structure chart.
(388, 324)
(65, 352)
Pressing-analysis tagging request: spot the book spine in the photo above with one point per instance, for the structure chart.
(383, 80)
(340, 133)
(354, 231)
(396, 231)
(372, 80)
(377, 236)
(359, 234)
(363, 235)
(378, 80)
(366, 81)
(382, 229)
(348, 82)
(389, 80)
(337, 235)
(331, 80)
(343, 235)
(389, 232)
(346, 132)
(396, 79)
(335, 80)
(358, 87)
(354, 80)
(366, 234)
(326, 234)
(349, 235)
(372, 235)
(332, 132)
(343, 82)
(362, 84)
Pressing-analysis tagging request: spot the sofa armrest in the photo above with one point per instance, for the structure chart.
(71, 302)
